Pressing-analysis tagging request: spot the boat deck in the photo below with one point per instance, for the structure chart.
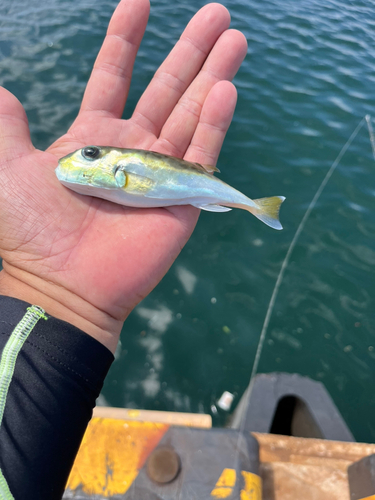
(118, 442)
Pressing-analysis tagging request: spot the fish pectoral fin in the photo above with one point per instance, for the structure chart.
(213, 208)
(120, 178)
(134, 183)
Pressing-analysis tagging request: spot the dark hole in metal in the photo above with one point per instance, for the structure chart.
(293, 418)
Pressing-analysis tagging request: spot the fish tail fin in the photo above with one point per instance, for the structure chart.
(265, 209)
(268, 211)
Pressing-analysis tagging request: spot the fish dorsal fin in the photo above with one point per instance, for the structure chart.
(206, 168)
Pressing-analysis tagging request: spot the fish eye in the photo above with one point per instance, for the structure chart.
(91, 152)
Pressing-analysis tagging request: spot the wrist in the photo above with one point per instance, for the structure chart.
(60, 303)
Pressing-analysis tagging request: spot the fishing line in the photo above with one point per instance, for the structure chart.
(279, 281)
(285, 264)
(371, 134)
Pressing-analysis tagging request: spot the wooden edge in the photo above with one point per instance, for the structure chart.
(164, 417)
(277, 448)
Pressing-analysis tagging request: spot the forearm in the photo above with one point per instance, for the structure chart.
(61, 303)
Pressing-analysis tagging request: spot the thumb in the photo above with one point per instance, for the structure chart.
(15, 138)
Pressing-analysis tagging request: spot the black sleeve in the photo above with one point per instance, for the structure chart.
(58, 375)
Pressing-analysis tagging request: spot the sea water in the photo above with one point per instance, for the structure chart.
(308, 79)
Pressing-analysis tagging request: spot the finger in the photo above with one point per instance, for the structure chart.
(216, 116)
(180, 68)
(109, 83)
(222, 64)
(14, 128)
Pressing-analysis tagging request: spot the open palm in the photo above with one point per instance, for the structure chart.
(86, 260)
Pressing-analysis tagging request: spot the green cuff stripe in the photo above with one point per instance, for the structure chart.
(7, 364)
(5, 493)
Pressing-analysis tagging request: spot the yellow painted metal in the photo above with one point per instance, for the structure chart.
(224, 487)
(225, 484)
(253, 487)
(111, 454)
(371, 497)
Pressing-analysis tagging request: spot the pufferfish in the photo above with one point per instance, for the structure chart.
(145, 179)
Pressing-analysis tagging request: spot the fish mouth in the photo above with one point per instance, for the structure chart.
(78, 182)
(62, 174)
(67, 177)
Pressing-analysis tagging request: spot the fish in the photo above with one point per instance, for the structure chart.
(145, 179)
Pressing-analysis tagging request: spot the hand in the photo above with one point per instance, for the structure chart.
(88, 261)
